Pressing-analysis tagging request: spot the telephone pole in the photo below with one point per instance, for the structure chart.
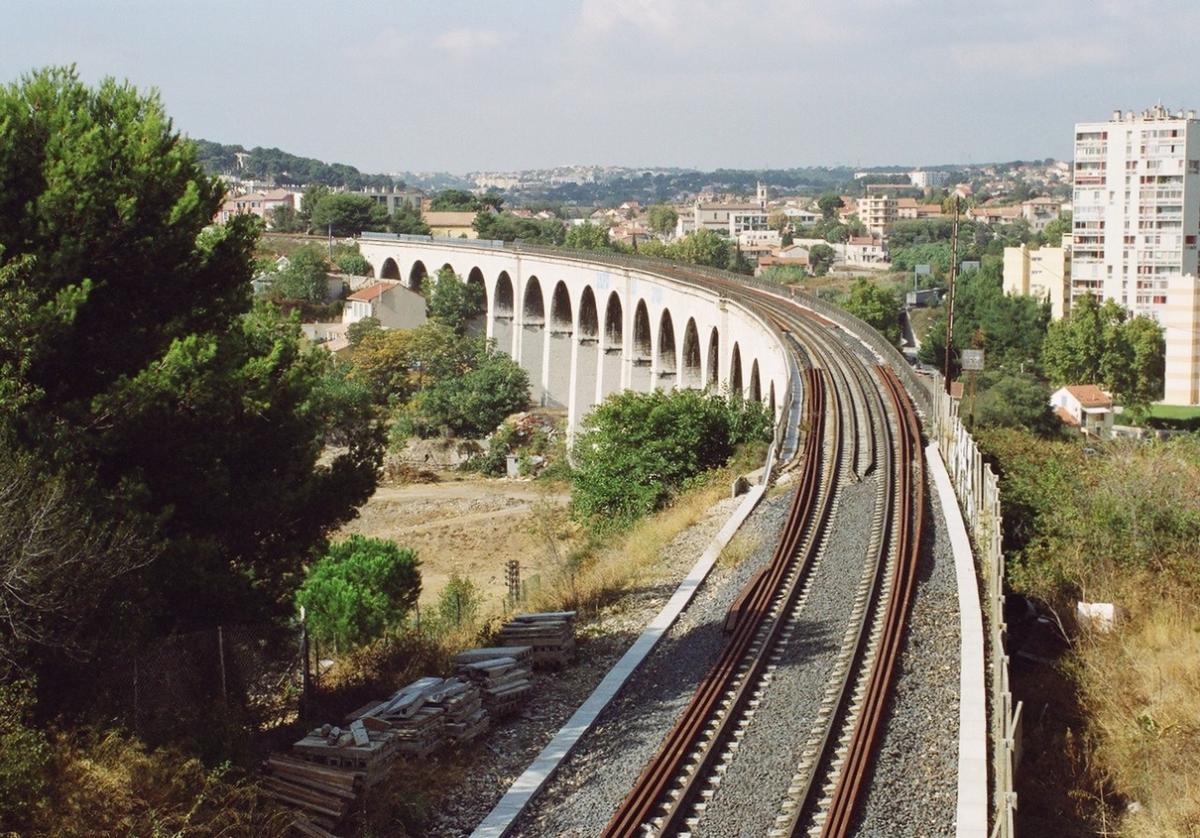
(950, 294)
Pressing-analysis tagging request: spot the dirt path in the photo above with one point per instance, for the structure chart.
(471, 527)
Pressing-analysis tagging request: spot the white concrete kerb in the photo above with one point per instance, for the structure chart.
(500, 820)
(971, 810)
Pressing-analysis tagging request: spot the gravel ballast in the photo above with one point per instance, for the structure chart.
(913, 783)
(594, 779)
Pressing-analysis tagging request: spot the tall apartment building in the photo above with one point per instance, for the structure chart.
(877, 211)
(1043, 273)
(1136, 222)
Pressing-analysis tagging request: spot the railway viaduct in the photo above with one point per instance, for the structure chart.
(583, 330)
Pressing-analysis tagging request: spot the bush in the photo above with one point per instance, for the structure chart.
(459, 601)
(469, 405)
(361, 589)
(637, 449)
(24, 755)
(350, 261)
(304, 278)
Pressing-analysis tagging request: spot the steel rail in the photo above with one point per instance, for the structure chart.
(868, 723)
(718, 693)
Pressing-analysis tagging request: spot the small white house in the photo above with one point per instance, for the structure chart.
(393, 305)
(1084, 406)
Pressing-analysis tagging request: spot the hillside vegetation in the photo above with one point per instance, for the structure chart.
(1120, 748)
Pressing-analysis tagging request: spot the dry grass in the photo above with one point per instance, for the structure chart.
(599, 573)
(740, 548)
(1140, 689)
(114, 785)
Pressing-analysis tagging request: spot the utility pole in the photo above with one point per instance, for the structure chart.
(950, 294)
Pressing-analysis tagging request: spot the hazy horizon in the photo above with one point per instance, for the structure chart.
(707, 84)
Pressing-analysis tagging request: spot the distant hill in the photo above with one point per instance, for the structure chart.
(283, 168)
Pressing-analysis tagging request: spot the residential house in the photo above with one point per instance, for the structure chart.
(995, 214)
(262, 204)
(866, 251)
(389, 302)
(1084, 406)
(454, 225)
(1040, 211)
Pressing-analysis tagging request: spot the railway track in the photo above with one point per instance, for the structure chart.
(857, 422)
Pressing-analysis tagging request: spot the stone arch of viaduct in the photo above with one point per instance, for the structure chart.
(584, 330)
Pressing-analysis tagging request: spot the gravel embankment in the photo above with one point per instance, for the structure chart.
(508, 749)
(582, 796)
(914, 779)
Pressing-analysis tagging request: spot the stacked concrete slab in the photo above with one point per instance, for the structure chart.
(551, 635)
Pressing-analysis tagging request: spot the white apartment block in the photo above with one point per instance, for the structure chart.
(1136, 221)
(1044, 272)
(877, 211)
(928, 180)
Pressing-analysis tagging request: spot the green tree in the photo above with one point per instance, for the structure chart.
(1074, 346)
(346, 214)
(471, 404)
(359, 330)
(820, 259)
(459, 601)
(1012, 327)
(349, 260)
(837, 233)
(876, 306)
(283, 219)
(24, 756)
(1098, 344)
(305, 277)
(312, 196)
(703, 247)
(1149, 348)
(587, 237)
(453, 302)
(637, 449)
(662, 218)
(132, 363)
(1054, 231)
(361, 589)
(829, 204)
(455, 200)
(1013, 400)
(507, 227)
(407, 220)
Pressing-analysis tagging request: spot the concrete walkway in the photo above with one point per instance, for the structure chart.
(971, 811)
(500, 820)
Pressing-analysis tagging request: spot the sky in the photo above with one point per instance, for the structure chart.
(465, 86)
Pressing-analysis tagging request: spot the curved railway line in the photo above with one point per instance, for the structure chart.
(857, 421)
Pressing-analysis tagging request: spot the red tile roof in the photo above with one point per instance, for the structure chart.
(1065, 415)
(1089, 395)
(371, 292)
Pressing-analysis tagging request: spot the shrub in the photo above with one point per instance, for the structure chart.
(468, 405)
(459, 601)
(637, 449)
(24, 755)
(361, 589)
(304, 278)
(352, 262)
